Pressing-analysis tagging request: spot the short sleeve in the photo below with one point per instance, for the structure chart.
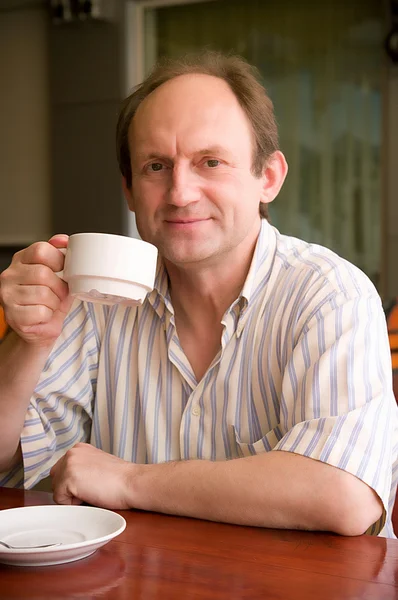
(337, 402)
(60, 411)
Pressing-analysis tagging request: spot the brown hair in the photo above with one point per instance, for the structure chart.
(244, 81)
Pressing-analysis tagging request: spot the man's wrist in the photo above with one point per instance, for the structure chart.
(135, 484)
(147, 486)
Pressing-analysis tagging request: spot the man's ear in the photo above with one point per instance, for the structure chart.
(128, 194)
(274, 174)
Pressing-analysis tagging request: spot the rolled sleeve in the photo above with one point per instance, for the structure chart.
(60, 411)
(337, 402)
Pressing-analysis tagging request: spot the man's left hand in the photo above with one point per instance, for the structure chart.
(86, 474)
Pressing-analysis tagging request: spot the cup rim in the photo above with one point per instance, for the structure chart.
(111, 235)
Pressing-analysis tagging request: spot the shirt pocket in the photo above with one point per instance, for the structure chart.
(264, 444)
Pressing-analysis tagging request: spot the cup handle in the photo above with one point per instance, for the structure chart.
(60, 274)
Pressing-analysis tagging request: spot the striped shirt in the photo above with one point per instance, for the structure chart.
(304, 366)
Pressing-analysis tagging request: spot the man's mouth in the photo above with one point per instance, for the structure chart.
(185, 221)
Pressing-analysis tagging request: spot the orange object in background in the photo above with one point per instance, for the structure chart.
(3, 324)
(392, 324)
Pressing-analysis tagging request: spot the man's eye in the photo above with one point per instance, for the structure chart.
(212, 162)
(155, 167)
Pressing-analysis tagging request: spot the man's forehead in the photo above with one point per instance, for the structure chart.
(190, 97)
(191, 113)
(190, 87)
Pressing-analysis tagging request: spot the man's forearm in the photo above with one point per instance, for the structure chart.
(275, 489)
(20, 368)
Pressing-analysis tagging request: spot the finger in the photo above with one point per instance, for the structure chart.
(61, 492)
(62, 496)
(40, 275)
(66, 305)
(42, 253)
(32, 295)
(76, 501)
(28, 316)
(24, 321)
(60, 240)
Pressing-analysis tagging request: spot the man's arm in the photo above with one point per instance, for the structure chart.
(250, 491)
(36, 303)
(247, 491)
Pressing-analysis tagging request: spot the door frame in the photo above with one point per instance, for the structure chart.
(134, 36)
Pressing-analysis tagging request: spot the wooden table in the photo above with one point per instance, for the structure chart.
(166, 557)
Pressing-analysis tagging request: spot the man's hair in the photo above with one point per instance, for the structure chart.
(244, 81)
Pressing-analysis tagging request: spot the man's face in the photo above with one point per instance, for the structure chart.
(193, 192)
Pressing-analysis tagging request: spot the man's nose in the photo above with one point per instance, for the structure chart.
(184, 187)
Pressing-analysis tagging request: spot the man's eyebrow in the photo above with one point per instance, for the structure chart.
(211, 150)
(151, 156)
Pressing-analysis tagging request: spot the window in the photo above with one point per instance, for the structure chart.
(322, 66)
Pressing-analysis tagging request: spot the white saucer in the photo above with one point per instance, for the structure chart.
(80, 530)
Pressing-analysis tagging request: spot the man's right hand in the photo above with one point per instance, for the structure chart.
(35, 300)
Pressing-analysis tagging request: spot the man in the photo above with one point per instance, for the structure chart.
(253, 386)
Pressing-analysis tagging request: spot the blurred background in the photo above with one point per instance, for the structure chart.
(330, 67)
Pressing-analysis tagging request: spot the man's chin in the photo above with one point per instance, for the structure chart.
(187, 256)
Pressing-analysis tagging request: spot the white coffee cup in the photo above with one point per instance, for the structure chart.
(109, 269)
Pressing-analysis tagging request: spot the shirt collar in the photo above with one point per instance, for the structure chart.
(161, 284)
(261, 261)
(159, 297)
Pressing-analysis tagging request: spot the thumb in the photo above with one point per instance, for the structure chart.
(60, 240)
(66, 304)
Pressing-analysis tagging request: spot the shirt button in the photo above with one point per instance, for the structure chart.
(196, 411)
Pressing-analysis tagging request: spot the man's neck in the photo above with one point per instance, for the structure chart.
(200, 296)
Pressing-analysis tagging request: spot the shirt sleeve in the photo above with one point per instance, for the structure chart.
(337, 402)
(60, 411)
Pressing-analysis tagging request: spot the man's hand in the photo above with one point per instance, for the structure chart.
(86, 474)
(35, 300)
